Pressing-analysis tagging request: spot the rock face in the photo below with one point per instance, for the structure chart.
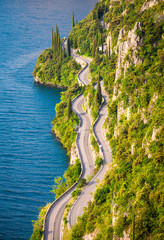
(90, 236)
(132, 42)
(148, 4)
(128, 49)
(109, 44)
(74, 154)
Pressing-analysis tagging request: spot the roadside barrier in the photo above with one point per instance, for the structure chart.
(74, 185)
(101, 168)
(82, 167)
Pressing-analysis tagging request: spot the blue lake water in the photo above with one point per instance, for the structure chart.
(30, 156)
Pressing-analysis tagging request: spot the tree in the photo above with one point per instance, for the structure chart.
(99, 94)
(59, 187)
(82, 182)
(94, 49)
(74, 43)
(133, 226)
(52, 38)
(69, 107)
(56, 41)
(73, 21)
(101, 37)
(68, 49)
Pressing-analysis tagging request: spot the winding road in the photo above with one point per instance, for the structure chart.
(87, 192)
(53, 219)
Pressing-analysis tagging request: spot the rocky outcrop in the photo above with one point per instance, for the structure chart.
(155, 131)
(109, 44)
(90, 236)
(39, 81)
(132, 42)
(80, 61)
(128, 49)
(148, 4)
(152, 103)
(74, 154)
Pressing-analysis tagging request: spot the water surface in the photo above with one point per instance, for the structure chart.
(30, 157)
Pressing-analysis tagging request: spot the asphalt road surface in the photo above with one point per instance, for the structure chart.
(87, 193)
(54, 217)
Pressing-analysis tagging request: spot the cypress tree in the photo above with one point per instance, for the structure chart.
(73, 21)
(133, 227)
(69, 107)
(94, 49)
(68, 49)
(97, 100)
(74, 43)
(52, 38)
(108, 50)
(63, 52)
(54, 45)
(99, 94)
(102, 43)
(97, 38)
(56, 41)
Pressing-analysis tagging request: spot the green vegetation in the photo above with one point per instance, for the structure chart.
(132, 191)
(71, 176)
(98, 162)
(73, 20)
(38, 224)
(130, 199)
(54, 66)
(65, 120)
(69, 108)
(82, 182)
(98, 92)
(68, 49)
(87, 32)
(76, 192)
(94, 144)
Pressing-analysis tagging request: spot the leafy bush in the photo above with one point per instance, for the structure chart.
(76, 192)
(82, 182)
(133, 185)
(98, 162)
(71, 176)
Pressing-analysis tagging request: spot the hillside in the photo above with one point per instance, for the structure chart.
(125, 38)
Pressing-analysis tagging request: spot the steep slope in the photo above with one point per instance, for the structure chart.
(129, 204)
(125, 39)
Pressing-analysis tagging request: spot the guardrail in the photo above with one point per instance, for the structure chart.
(82, 167)
(101, 151)
(73, 186)
(78, 76)
(101, 168)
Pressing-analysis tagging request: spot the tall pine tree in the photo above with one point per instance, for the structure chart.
(68, 49)
(94, 48)
(56, 41)
(99, 94)
(73, 20)
(69, 108)
(52, 38)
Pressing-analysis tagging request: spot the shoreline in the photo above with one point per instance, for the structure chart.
(56, 137)
(49, 84)
(53, 132)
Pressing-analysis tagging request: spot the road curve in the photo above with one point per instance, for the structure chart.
(53, 220)
(87, 192)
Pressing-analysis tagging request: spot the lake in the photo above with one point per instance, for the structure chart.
(30, 156)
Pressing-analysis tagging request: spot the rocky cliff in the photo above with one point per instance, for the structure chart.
(128, 204)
